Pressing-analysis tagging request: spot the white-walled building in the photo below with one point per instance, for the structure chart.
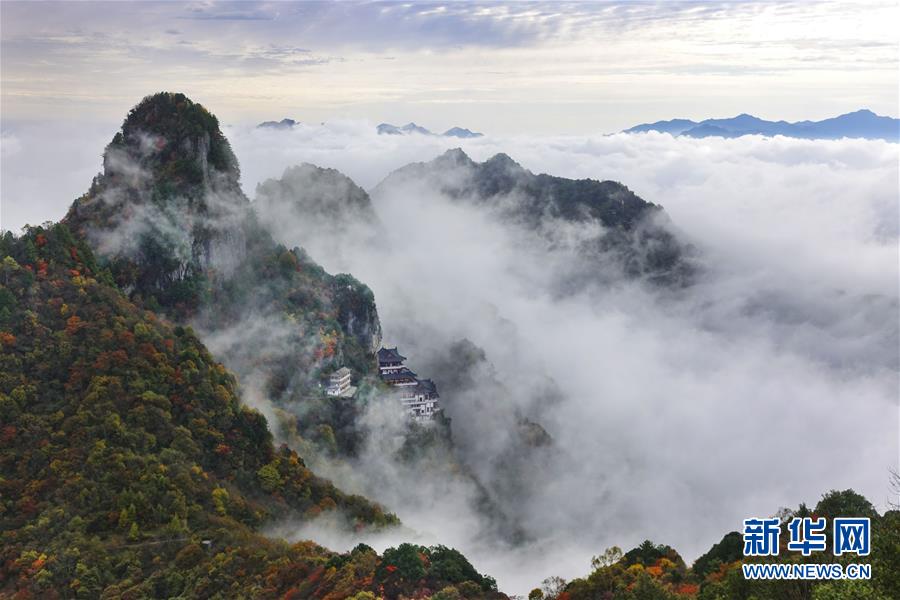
(339, 384)
(419, 396)
(421, 400)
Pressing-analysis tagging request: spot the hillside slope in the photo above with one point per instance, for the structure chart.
(130, 469)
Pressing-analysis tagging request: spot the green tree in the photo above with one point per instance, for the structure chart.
(846, 503)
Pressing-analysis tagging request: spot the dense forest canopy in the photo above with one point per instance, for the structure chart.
(131, 469)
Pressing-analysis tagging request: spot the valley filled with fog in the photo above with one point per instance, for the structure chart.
(674, 413)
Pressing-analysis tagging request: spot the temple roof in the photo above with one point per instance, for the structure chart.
(403, 373)
(340, 373)
(390, 355)
(427, 386)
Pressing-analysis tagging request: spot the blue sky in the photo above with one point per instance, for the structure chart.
(523, 67)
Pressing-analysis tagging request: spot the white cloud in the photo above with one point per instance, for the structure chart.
(502, 67)
(771, 381)
(45, 167)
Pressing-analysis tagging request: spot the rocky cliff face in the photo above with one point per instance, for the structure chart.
(167, 211)
(168, 218)
(356, 311)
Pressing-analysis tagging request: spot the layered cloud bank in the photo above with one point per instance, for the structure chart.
(674, 415)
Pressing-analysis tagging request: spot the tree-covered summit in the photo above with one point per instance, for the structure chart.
(178, 127)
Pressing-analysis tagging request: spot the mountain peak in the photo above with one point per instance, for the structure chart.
(282, 124)
(462, 132)
(168, 201)
(411, 127)
(167, 112)
(169, 134)
(502, 159)
(742, 119)
(454, 156)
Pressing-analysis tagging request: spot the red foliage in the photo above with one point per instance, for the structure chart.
(27, 505)
(223, 449)
(688, 589)
(107, 359)
(7, 339)
(148, 351)
(73, 324)
(8, 434)
(40, 240)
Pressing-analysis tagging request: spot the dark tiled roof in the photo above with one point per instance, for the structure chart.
(340, 373)
(403, 373)
(390, 355)
(427, 387)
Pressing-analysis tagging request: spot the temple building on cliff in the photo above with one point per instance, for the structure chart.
(339, 384)
(419, 396)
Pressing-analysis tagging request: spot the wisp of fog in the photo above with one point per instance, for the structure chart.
(768, 381)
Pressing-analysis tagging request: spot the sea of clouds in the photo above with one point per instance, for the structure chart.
(772, 380)
(768, 383)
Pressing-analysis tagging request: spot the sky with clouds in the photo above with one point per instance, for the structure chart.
(502, 68)
(795, 323)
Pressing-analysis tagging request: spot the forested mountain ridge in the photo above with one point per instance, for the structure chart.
(130, 468)
(634, 237)
(168, 218)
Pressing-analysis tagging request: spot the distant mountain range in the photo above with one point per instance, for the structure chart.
(386, 129)
(457, 132)
(860, 124)
(282, 124)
